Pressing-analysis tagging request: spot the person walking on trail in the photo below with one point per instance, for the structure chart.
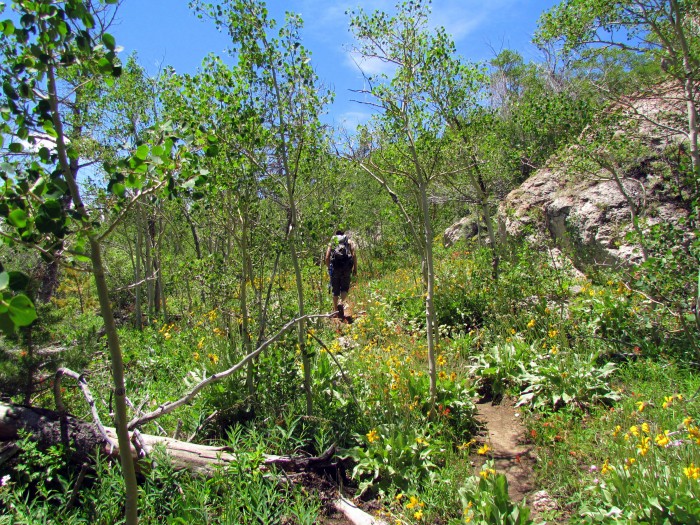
(342, 262)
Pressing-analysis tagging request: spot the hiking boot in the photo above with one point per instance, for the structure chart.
(341, 311)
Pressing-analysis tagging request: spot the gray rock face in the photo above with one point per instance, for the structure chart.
(588, 218)
(465, 228)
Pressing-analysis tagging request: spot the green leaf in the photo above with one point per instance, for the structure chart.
(16, 147)
(6, 325)
(108, 41)
(119, 189)
(4, 280)
(18, 281)
(21, 310)
(8, 28)
(10, 91)
(142, 152)
(18, 218)
(104, 65)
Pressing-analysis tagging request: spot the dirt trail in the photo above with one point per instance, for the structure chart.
(505, 434)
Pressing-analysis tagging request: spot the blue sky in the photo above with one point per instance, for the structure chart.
(166, 32)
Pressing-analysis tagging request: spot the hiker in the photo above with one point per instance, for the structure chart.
(341, 261)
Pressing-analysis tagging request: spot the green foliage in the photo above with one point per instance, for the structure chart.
(40, 488)
(498, 368)
(485, 500)
(395, 457)
(566, 380)
(16, 309)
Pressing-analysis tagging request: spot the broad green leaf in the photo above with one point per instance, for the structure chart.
(18, 218)
(4, 280)
(18, 281)
(142, 152)
(108, 41)
(21, 310)
(119, 189)
(8, 28)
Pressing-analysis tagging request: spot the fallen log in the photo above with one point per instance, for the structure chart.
(84, 439)
(49, 428)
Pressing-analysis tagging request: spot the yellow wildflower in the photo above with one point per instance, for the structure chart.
(634, 430)
(487, 472)
(415, 502)
(552, 333)
(644, 445)
(213, 358)
(196, 356)
(692, 472)
(641, 405)
(687, 421)
(667, 401)
(531, 323)
(694, 433)
(465, 446)
(645, 427)
(483, 450)
(662, 439)
(605, 468)
(200, 345)
(441, 361)
(617, 430)
(629, 462)
(418, 515)
(399, 497)
(372, 436)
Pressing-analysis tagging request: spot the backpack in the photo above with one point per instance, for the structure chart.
(341, 255)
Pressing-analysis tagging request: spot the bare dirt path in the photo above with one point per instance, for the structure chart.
(505, 433)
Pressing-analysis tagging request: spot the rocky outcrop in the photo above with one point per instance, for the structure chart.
(465, 228)
(589, 218)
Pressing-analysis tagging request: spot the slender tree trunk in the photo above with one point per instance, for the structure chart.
(161, 288)
(138, 316)
(483, 196)
(247, 343)
(430, 295)
(127, 463)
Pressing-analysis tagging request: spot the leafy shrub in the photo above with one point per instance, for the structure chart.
(486, 502)
(394, 457)
(498, 368)
(566, 379)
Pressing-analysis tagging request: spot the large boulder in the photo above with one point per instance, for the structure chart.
(465, 228)
(589, 217)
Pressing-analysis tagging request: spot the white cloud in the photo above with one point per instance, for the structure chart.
(460, 18)
(351, 119)
(368, 66)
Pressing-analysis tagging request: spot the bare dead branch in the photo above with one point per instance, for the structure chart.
(82, 383)
(170, 406)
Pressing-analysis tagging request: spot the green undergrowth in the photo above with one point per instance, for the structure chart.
(605, 406)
